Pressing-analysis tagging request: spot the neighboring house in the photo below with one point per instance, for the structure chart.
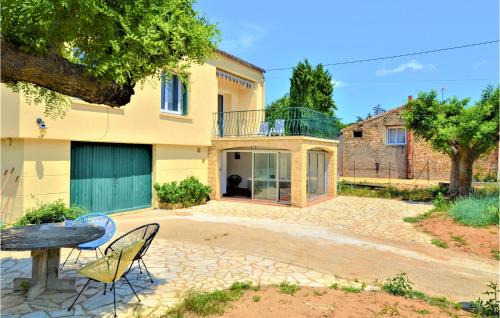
(382, 147)
(108, 159)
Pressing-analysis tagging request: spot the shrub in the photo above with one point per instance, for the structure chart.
(476, 210)
(398, 285)
(188, 192)
(489, 307)
(50, 213)
(289, 288)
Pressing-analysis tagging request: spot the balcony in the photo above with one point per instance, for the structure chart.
(290, 121)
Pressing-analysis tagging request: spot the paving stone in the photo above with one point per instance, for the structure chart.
(36, 314)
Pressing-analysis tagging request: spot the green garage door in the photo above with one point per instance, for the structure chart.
(109, 178)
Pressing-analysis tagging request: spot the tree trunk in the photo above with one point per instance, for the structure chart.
(461, 174)
(54, 72)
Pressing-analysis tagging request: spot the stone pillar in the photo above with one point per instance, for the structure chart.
(299, 177)
(332, 172)
(214, 172)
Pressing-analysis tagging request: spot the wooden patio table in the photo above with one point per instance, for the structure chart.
(45, 242)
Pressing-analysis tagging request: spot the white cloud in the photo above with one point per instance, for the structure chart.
(338, 84)
(411, 65)
(244, 37)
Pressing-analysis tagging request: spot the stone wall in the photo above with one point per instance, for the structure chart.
(364, 154)
(369, 151)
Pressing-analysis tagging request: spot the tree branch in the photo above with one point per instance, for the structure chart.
(54, 72)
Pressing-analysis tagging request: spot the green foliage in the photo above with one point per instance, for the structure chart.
(476, 211)
(289, 288)
(486, 176)
(122, 41)
(439, 243)
(417, 194)
(455, 128)
(351, 289)
(188, 192)
(50, 213)
(56, 104)
(495, 254)
(446, 125)
(334, 286)
(398, 285)
(206, 303)
(440, 201)
(490, 306)
(312, 87)
(255, 298)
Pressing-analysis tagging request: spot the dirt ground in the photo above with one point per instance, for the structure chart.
(480, 241)
(325, 302)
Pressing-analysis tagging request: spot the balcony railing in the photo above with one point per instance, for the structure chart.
(290, 121)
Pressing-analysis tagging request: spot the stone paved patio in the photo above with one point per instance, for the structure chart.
(175, 268)
(380, 218)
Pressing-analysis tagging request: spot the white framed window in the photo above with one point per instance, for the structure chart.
(396, 136)
(173, 96)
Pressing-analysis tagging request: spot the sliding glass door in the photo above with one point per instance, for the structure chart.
(265, 185)
(272, 176)
(316, 173)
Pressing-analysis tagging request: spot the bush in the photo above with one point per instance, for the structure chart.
(398, 285)
(50, 213)
(476, 210)
(489, 307)
(188, 192)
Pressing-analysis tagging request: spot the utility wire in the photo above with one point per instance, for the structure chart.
(409, 81)
(396, 56)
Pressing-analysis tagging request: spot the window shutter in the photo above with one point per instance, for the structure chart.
(184, 100)
(163, 93)
(175, 81)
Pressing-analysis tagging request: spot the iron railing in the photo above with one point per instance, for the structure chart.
(289, 121)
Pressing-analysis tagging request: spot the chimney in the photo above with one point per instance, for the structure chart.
(409, 150)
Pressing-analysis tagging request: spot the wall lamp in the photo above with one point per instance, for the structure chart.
(41, 126)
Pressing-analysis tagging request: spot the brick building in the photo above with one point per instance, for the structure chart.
(382, 147)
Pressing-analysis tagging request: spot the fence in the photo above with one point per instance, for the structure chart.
(387, 173)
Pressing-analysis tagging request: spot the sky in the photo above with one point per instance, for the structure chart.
(277, 34)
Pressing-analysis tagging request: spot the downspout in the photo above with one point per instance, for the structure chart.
(409, 152)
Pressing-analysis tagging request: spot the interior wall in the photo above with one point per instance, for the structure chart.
(241, 167)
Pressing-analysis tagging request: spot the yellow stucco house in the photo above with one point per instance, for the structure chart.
(215, 128)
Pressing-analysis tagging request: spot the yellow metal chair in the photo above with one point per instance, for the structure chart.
(110, 269)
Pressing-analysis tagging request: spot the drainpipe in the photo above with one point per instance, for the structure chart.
(409, 148)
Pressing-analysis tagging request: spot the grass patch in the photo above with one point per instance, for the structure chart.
(289, 288)
(476, 210)
(334, 286)
(417, 194)
(351, 289)
(459, 239)
(422, 311)
(205, 303)
(400, 285)
(439, 243)
(256, 298)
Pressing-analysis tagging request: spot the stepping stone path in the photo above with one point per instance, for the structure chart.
(175, 267)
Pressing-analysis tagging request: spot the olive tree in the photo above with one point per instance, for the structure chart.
(453, 127)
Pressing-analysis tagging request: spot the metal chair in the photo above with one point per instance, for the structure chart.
(145, 232)
(111, 268)
(95, 219)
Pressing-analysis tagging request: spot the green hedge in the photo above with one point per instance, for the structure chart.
(50, 213)
(188, 192)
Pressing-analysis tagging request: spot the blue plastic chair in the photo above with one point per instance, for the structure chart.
(95, 219)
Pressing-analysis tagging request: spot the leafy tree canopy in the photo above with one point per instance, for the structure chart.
(312, 87)
(97, 50)
(455, 128)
